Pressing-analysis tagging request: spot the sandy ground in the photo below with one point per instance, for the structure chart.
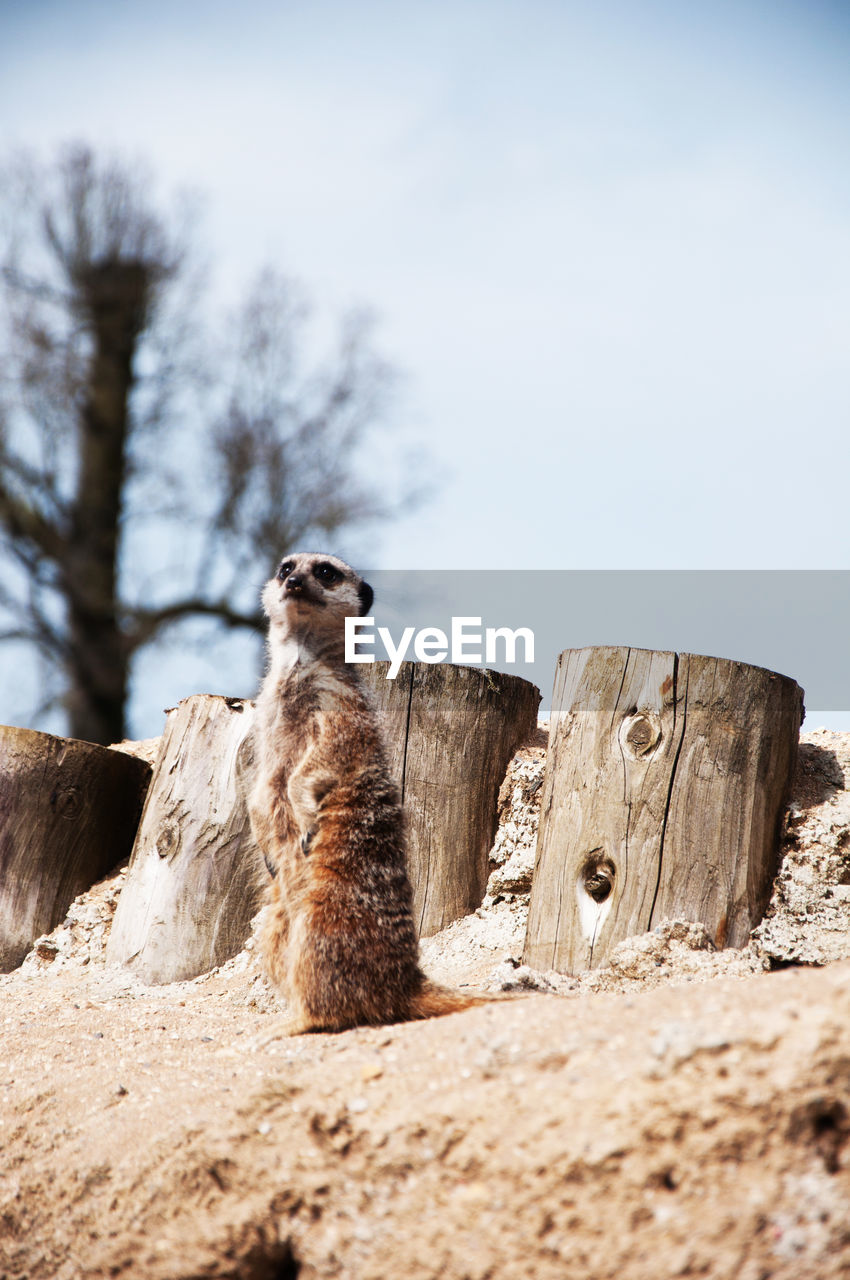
(681, 1112)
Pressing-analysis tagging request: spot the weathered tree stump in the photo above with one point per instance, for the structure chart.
(68, 814)
(193, 884)
(665, 784)
(452, 732)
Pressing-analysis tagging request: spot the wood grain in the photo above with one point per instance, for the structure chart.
(195, 875)
(663, 794)
(68, 814)
(452, 731)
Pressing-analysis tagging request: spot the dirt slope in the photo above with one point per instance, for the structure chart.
(685, 1131)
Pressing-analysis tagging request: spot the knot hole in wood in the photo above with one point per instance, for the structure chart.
(640, 734)
(597, 876)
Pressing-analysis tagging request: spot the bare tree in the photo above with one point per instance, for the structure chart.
(100, 444)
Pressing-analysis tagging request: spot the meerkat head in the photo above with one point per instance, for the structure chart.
(313, 593)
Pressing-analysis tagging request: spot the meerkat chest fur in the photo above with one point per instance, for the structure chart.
(319, 740)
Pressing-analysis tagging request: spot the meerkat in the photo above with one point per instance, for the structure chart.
(339, 939)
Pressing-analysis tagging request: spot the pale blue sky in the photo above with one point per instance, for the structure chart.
(609, 243)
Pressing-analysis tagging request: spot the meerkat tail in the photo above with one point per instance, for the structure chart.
(432, 1001)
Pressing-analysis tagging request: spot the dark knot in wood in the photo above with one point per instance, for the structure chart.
(167, 842)
(67, 803)
(641, 733)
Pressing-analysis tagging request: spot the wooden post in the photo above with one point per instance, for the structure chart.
(68, 814)
(452, 731)
(196, 876)
(194, 880)
(664, 789)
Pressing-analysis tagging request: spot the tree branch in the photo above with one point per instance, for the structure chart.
(144, 624)
(22, 521)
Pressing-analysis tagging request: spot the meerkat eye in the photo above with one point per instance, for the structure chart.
(284, 571)
(326, 574)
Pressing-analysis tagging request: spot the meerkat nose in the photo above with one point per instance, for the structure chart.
(294, 584)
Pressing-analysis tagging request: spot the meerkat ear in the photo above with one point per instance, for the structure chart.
(366, 595)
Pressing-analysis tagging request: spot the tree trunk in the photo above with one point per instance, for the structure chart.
(68, 814)
(664, 790)
(196, 875)
(115, 294)
(452, 732)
